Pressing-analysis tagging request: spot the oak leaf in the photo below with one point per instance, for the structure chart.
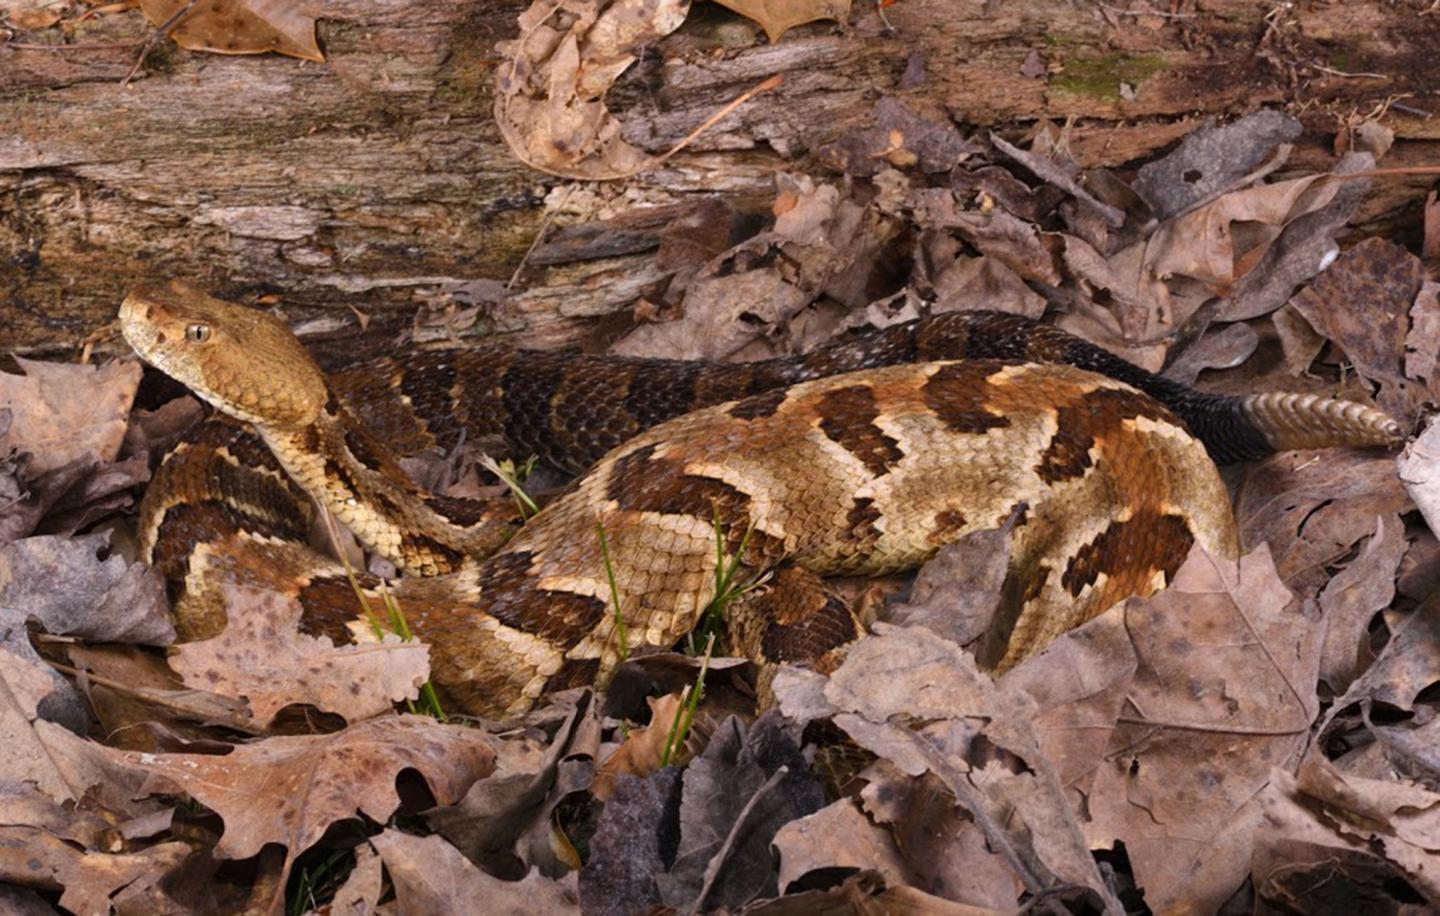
(1224, 692)
(241, 26)
(290, 789)
(261, 656)
(899, 675)
(89, 878)
(1324, 828)
(838, 836)
(62, 765)
(60, 412)
(431, 876)
(777, 17)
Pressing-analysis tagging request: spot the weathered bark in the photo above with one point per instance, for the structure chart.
(376, 178)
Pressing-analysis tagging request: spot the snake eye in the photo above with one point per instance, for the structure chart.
(199, 333)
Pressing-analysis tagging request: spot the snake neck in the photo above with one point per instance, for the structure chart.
(350, 473)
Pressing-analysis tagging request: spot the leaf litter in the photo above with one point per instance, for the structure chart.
(1251, 735)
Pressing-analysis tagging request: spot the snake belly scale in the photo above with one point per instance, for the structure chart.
(863, 458)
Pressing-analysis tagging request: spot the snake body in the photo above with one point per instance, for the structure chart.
(863, 457)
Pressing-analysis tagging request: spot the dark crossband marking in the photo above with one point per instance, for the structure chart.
(1131, 551)
(847, 417)
(860, 521)
(948, 522)
(960, 395)
(642, 482)
(759, 406)
(1084, 423)
(513, 596)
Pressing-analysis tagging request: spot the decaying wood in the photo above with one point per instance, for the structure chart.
(378, 180)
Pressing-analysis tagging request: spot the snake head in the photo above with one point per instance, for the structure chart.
(245, 362)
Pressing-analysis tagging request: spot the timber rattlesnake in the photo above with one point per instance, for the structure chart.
(863, 457)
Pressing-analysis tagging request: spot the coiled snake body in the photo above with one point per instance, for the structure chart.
(864, 457)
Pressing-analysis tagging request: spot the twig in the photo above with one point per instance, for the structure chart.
(880, 10)
(78, 46)
(1332, 70)
(647, 165)
(540, 235)
(712, 870)
(155, 37)
(771, 83)
(995, 835)
(1411, 109)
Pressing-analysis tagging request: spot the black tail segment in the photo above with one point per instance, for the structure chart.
(1219, 421)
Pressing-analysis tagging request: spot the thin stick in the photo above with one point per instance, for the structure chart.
(651, 163)
(771, 83)
(78, 46)
(160, 33)
(540, 235)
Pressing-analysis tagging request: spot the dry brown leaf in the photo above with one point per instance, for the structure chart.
(1016, 243)
(1224, 692)
(288, 790)
(838, 836)
(62, 583)
(1430, 244)
(1352, 598)
(1422, 344)
(81, 851)
(139, 704)
(777, 17)
(262, 657)
(1212, 160)
(1362, 303)
(741, 305)
(31, 14)
(62, 765)
(1061, 176)
(60, 412)
(550, 88)
(1079, 686)
(984, 283)
(1222, 347)
(89, 878)
(899, 675)
(943, 848)
(748, 783)
(1220, 242)
(430, 876)
(1311, 508)
(360, 894)
(628, 849)
(242, 26)
(898, 135)
(505, 820)
(643, 749)
(957, 592)
(1407, 666)
(1350, 818)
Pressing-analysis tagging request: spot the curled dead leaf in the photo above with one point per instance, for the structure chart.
(289, 790)
(777, 17)
(241, 26)
(550, 89)
(644, 749)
